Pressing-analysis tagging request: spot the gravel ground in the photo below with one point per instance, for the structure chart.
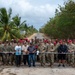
(38, 70)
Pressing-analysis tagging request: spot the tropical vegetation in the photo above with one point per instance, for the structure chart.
(10, 27)
(62, 25)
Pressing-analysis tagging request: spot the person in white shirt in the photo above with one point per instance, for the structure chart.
(25, 53)
(18, 53)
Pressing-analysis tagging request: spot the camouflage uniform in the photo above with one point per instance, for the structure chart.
(50, 55)
(1, 54)
(71, 56)
(42, 54)
(55, 50)
(74, 55)
(5, 55)
(13, 53)
(10, 54)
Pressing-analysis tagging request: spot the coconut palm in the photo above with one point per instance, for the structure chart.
(22, 26)
(17, 21)
(7, 28)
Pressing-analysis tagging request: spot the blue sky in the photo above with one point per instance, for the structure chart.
(35, 12)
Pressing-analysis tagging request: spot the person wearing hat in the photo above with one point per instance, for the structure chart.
(1, 52)
(42, 55)
(71, 47)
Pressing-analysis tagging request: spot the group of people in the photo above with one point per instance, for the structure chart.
(40, 50)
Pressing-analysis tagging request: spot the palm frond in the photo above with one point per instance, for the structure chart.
(4, 16)
(4, 36)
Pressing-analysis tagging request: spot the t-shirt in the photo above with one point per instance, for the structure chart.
(37, 52)
(31, 49)
(18, 50)
(24, 48)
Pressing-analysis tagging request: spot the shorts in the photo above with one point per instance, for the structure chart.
(61, 56)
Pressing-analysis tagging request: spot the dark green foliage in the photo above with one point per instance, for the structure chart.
(63, 24)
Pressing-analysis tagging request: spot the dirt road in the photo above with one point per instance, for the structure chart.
(36, 71)
(38, 35)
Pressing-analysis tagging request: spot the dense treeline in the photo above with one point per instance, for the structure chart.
(63, 24)
(10, 27)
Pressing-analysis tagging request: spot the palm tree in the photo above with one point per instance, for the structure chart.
(7, 28)
(17, 21)
(22, 26)
(25, 28)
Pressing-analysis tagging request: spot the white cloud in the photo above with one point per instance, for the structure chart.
(34, 14)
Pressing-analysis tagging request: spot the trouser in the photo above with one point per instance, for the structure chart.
(51, 58)
(1, 57)
(38, 58)
(71, 58)
(25, 59)
(5, 58)
(31, 56)
(42, 59)
(18, 60)
(8, 55)
(12, 59)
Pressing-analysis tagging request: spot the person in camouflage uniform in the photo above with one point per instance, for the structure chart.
(71, 47)
(50, 55)
(1, 52)
(74, 51)
(42, 51)
(13, 52)
(10, 54)
(5, 54)
(46, 50)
